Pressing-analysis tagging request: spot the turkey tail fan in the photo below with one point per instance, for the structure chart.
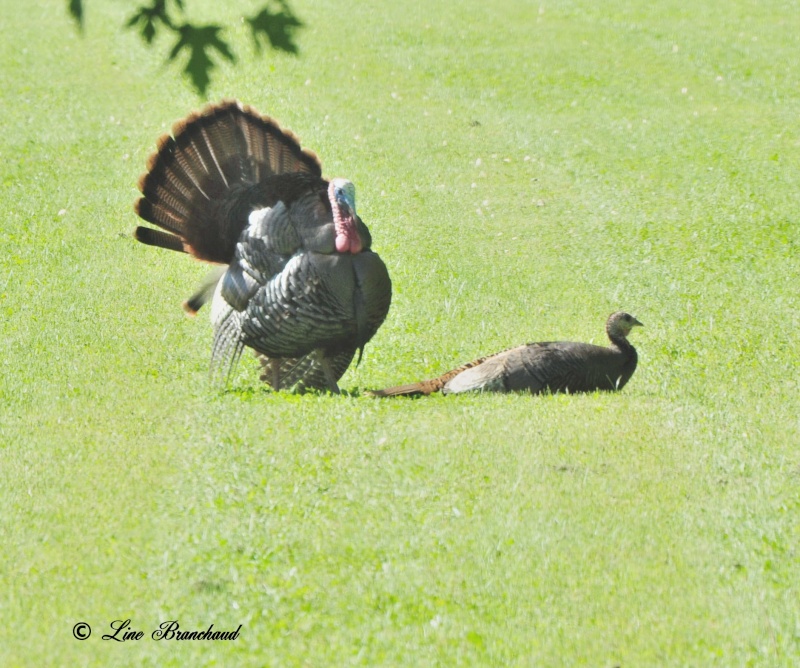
(271, 149)
(211, 157)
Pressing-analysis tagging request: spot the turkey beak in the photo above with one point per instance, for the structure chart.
(636, 323)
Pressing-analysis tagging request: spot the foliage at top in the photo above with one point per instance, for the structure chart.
(274, 26)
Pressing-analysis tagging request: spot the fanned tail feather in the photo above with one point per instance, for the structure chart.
(211, 156)
(151, 237)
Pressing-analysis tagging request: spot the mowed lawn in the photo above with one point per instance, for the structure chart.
(525, 168)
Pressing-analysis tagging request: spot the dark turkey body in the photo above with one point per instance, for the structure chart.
(317, 301)
(231, 187)
(550, 367)
(289, 294)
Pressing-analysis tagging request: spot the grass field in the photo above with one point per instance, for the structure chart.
(525, 168)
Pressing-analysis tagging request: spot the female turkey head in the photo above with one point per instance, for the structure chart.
(342, 194)
(620, 324)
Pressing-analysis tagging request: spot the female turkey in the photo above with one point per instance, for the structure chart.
(300, 284)
(562, 366)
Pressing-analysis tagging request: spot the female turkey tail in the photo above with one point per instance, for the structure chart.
(196, 182)
(426, 387)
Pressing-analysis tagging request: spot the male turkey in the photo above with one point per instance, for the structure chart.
(299, 285)
(562, 366)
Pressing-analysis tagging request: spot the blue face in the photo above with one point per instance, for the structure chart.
(345, 196)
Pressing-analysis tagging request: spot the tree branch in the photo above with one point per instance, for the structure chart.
(273, 28)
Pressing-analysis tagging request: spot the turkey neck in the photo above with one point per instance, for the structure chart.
(621, 343)
(347, 239)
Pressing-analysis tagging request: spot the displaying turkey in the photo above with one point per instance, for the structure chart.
(561, 366)
(300, 284)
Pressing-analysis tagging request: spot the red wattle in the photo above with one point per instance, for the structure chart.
(348, 243)
(342, 243)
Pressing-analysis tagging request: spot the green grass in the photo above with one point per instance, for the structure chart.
(525, 169)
